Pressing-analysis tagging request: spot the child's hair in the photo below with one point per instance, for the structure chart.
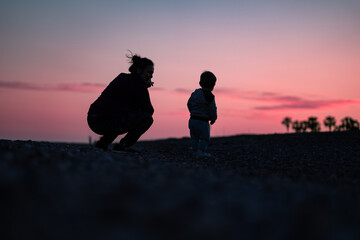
(207, 80)
(138, 62)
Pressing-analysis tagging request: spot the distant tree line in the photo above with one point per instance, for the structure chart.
(312, 123)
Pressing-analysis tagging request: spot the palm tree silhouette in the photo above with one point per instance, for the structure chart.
(304, 125)
(297, 126)
(313, 124)
(330, 122)
(348, 123)
(286, 122)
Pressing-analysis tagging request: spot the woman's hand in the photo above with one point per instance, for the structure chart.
(150, 84)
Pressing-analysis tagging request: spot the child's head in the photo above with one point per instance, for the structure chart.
(207, 80)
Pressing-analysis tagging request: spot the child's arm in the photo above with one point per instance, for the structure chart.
(213, 112)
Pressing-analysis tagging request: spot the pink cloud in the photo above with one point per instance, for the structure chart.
(281, 102)
(157, 89)
(84, 87)
(69, 87)
(21, 85)
(183, 91)
(307, 104)
(226, 91)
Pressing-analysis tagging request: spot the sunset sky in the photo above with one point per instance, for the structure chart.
(272, 59)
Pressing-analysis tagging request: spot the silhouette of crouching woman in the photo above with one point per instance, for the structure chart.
(124, 106)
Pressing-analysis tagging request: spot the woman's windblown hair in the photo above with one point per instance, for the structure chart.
(138, 62)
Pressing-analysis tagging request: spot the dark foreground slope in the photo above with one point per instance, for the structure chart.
(291, 186)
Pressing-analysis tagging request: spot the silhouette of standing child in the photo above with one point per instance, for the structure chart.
(124, 106)
(202, 108)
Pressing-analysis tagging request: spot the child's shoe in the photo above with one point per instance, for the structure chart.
(101, 145)
(202, 154)
(121, 147)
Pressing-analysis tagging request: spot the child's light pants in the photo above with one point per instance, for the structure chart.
(200, 134)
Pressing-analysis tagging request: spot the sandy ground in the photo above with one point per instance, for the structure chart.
(286, 186)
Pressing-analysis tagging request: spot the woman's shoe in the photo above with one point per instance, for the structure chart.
(121, 147)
